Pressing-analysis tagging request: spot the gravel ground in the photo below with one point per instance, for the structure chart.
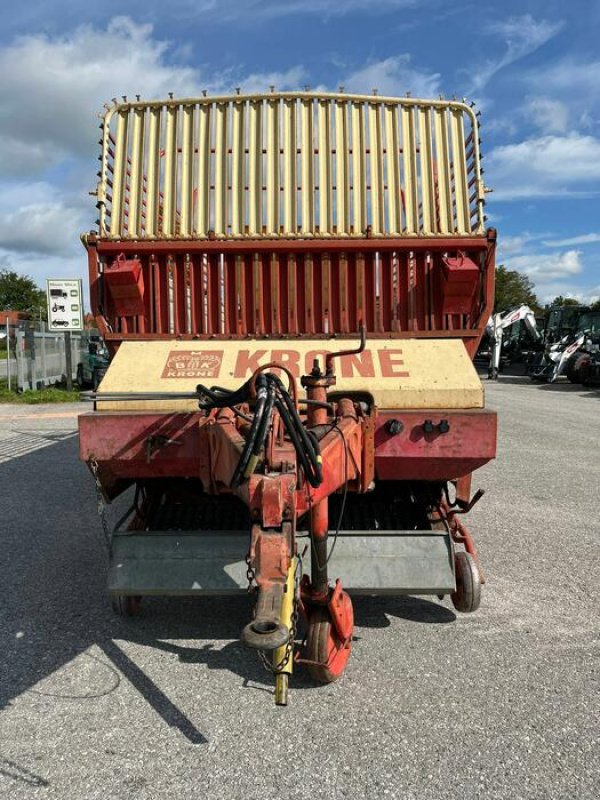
(503, 703)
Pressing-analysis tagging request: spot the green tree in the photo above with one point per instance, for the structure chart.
(513, 289)
(564, 301)
(20, 293)
(595, 306)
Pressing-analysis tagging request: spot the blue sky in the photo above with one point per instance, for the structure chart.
(533, 67)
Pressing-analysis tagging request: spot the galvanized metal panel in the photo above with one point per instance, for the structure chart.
(295, 164)
(210, 562)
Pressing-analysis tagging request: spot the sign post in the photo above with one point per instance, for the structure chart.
(8, 351)
(65, 312)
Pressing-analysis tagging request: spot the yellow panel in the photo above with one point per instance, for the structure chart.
(342, 152)
(307, 169)
(426, 164)
(325, 191)
(220, 209)
(376, 165)
(461, 191)
(272, 164)
(359, 178)
(290, 180)
(170, 181)
(237, 170)
(203, 179)
(410, 373)
(153, 173)
(442, 164)
(117, 212)
(393, 170)
(342, 187)
(409, 150)
(136, 177)
(255, 160)
(187, 171)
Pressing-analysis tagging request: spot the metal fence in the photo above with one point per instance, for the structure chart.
(40, 358)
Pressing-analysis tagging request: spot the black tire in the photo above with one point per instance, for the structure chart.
(467, 596)
(126, 605)
(574, 365)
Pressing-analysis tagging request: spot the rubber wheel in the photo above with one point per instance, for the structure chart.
(574, 366)
(126, 605)
(467, 596)
(324, 646)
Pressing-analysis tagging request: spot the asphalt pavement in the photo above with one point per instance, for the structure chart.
(503, 703)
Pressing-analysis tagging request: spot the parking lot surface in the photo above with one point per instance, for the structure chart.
(503, 703)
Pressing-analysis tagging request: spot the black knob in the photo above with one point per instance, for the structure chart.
(394, 427)
(444, 426)
(428, 426)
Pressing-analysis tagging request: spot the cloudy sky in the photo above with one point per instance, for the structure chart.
(532, 66)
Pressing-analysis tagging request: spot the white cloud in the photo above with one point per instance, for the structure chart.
(392, 77)
(233, 10)
(550, 116)
(522, 36)
(548, 166)
(51, 90)
(37, 220)
(543, 268)
(586, 238)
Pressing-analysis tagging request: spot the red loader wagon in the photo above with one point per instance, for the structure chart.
(292, 287)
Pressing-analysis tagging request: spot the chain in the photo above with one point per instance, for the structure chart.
(250, 575)
(289, 647)
(101, 505)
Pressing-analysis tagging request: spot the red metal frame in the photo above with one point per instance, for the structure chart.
(296, 288)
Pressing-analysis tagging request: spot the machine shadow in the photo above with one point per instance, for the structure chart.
(54, 604)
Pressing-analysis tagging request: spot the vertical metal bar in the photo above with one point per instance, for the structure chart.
(393, 170)
(119, 187)
(255, 159)
(361, 311)
(237, 170)
(342, 186)
(359, 189)
(172, 295)
(275, 293)
(412, 283)
(307, 185)
(376, 170)
(187, 282)
(442, 160)
(428, 205)
(290, 180)
(343, 293)
(187, 171)
(461, 190)
(326, 292)
(395, 291)
(292, 295)
(220, 209)
(257, 295)
(203, 172)
(136, 177)
(309, 288)
(272, 168)
(240, 295)
(157, 298)
(204, 287)
(170, 181)
(325, 191)
(153, 173)
(409, 148)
